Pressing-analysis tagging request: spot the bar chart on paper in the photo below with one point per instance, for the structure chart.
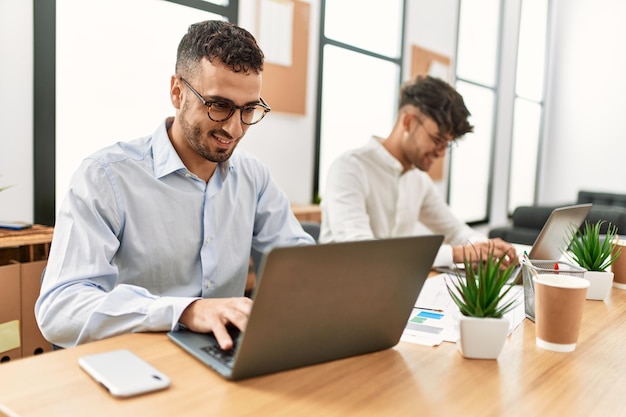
(431, 321)
(426, 327)
(434, 317)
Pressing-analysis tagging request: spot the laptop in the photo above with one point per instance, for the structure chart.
(318, 303)
(552, 239)
(550, 242)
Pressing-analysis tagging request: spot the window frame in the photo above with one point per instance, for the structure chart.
(499, 186)
(323, 41)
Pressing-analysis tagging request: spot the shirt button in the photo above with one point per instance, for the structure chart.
(209, 285)
(188, 175)
(208, 240)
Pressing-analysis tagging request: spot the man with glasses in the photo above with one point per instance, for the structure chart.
(382, 190)
(156, 233)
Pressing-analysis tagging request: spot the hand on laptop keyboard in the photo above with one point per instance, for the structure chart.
(225, 355)
(476, 251)
(215, 314)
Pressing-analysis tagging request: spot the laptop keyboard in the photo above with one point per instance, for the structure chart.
(225, 356)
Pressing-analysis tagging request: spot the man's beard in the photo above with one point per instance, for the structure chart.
(194, 135)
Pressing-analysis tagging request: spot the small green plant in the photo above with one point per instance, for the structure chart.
(588, 249)
(483, 291)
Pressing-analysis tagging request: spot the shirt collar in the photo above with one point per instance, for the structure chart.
(166, 159)
(389, 161)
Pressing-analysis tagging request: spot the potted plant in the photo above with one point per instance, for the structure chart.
(483, 298)
(595, 252)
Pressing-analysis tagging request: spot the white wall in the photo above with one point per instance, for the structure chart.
(585, 135)
(16, 109)
(286, 143)
(112, 80)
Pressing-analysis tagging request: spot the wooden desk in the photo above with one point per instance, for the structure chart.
(407, 380)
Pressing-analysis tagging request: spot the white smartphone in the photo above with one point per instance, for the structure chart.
(123, 373)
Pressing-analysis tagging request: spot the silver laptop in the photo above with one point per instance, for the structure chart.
(319, 303)
(552, 240)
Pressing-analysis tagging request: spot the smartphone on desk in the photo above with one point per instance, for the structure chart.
(123, 373)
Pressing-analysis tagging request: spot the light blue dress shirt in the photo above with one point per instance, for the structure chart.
(139, 237)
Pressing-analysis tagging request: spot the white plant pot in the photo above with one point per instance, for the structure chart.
(482, 338)
(600, 283)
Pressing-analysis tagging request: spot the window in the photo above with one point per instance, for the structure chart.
(469, 194)
(500, 72)
(477, 82)
(360, 76)
(529, 96)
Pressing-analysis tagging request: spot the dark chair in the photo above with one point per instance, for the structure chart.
(312, 228)
(527, 221)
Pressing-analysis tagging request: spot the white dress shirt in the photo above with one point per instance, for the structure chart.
(368, 197)
(139, 237)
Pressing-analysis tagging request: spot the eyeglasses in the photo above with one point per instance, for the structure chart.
(222, 110)
(439, 142)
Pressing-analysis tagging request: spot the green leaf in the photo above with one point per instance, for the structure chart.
(482, 291)
(587, 248)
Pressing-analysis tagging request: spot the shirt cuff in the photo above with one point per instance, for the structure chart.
(444, 257)
(178, 305)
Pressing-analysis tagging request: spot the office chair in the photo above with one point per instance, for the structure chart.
(312, 228)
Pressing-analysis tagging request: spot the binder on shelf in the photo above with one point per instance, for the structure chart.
(33, 342)
(10, 313)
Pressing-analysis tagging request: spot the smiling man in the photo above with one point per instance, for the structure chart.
(156, 233)
(382, 189)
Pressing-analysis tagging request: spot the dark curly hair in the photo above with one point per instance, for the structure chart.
(231, 44)
(440, 101)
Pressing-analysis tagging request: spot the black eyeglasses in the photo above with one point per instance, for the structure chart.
(439, 142)
(222, 110)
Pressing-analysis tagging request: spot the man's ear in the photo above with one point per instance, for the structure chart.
(406, 119)
(176, 92)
